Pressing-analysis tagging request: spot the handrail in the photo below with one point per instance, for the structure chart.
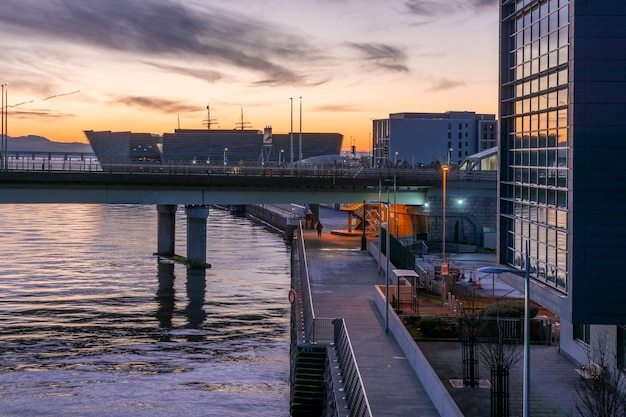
(77, 162)
(308, 313)
(316, 331)
(353, 383)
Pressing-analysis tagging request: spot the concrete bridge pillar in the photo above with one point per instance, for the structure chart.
(166, 225)
(196, 234)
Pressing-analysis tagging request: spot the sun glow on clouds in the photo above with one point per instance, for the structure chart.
(149, 65)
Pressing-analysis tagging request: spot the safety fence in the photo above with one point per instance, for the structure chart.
(331, 333)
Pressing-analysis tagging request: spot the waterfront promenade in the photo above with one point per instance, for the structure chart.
(342, 284)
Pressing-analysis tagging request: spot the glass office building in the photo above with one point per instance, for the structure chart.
(562, 143)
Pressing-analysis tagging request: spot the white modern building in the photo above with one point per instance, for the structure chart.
(423, 139)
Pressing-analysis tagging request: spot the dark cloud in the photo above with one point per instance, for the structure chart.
(61, 95)
(155, 103)
(164, 28)
(38, 114)
(202, 74)
(382, 56)
(444, 84)
(441, 7)
(337, 108)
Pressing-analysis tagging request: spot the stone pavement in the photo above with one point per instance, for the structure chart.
(342, 281)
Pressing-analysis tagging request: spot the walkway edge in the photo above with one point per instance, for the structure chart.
(437, 392)
(440, 397)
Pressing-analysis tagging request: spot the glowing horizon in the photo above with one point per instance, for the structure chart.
(150, 67)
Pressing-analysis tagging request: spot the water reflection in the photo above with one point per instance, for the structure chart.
(196, 286)
(166, 294)
(89, 325)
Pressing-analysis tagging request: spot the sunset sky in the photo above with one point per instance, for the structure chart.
(152, 65)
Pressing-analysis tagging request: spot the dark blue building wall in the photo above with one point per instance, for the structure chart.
(597, 178)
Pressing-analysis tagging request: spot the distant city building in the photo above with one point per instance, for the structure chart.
(212, 146)
(562, 129)
(427, 138)
(124, 147)
(247, 147)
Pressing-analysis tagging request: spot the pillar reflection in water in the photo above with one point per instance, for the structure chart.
(196, 287)
(166, 294)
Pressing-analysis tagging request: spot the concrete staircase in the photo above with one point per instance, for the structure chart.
(308, 385)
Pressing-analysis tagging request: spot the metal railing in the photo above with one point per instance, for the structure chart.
(52, 161)
(85, 162)
(351, 377)
(308, 313)
(331, 332)
(511, 329)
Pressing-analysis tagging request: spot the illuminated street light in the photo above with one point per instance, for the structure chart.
(526, 272)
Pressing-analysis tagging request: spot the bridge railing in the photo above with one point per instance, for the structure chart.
(80, 162)
(52, 161)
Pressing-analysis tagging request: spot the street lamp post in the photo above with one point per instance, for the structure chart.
(364, 224)
(225, 149)
(526, 379)
(444, 170)
(5, 123)
(300, 138)
(395, 228)
(388, 257)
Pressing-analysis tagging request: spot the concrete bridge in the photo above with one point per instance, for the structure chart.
(197, 187)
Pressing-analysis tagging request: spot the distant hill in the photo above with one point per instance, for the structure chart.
(33, 143)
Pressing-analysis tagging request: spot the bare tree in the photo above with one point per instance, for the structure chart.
(500, 355)
(602, 387)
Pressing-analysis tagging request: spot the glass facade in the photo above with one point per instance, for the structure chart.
(534, 137)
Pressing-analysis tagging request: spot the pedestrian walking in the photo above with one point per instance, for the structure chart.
(319, 229)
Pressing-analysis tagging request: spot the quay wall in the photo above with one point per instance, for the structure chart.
(274, 216)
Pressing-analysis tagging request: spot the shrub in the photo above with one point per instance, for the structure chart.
(509, 308)
(440, 327)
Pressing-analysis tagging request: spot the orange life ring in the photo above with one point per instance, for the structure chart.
(292, 296)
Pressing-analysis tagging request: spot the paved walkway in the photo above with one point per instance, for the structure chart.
(342, 280)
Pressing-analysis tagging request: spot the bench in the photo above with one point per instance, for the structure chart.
(590, 371)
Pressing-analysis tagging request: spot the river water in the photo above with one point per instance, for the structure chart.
(91, 324)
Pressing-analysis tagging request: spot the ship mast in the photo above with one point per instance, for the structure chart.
(242, 124)
(208, 122)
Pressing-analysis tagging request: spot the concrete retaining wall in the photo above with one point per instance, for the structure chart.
(437, 392)
(440, 397)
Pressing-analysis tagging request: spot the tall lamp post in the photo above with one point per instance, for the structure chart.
(526, 382)
(300, 139)
(388, 258)
(5, 123)
(444, 171)
(364, 224)
(395, 228)
(291, 130)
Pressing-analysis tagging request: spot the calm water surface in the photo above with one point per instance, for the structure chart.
(92, 325)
